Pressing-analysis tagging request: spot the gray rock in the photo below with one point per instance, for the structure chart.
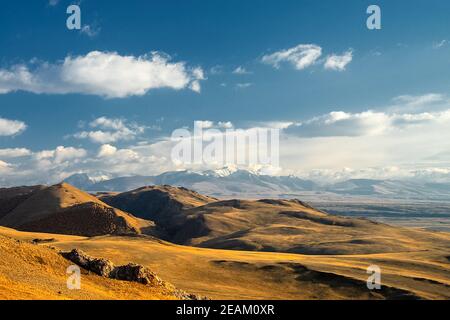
(102, 267)
(131, 272)
(136, 273)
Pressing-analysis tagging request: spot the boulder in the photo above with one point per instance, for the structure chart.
(102, 267)
(131, 272)
(136, 273)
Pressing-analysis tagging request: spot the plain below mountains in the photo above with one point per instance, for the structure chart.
(227, 183)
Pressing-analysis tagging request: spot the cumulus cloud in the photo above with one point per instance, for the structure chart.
(367, 123)
(306, 55)
(11, 127)
(225, 124)
(204, 124)
(60, 154)
(371, 139)
(107, 130)
(105, 74)
(106, 150)
(377, 143)
(301, 56)
(4, 167)
(14, 153)
(338, 62)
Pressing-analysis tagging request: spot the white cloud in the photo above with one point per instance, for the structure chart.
(11, 127)
(419, 100)
(110, 130)
(301, 56)
(106, 74)
(14, 153)
(241, 70)
(106, 150)
(369, 139)
(342, 124)
(225, 125)
(338, 62)
(4, 167)
(406, 112)
(60, 154)
(377, 143)
(198, 75)
(195, 86)
(204, 124)
(431, 174)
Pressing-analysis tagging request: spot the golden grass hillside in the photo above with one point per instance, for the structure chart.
(226, 274)
(276, 249)
(289, 226)
(32, 272)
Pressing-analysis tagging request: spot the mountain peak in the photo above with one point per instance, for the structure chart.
(222, 172)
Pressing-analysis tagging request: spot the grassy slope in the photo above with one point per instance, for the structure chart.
(287, 226)
(31, 272)
(222, 274)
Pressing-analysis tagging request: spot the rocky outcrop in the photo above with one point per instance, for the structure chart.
(137, 273)
(101, 267)
(131, 272)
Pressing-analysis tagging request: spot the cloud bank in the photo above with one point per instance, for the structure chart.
(378, 143)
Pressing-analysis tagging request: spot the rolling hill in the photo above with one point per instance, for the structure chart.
(64, 209)
(265, 225)
(12, 197)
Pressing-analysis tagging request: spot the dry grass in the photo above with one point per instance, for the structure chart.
(223, 274)
(31, 272)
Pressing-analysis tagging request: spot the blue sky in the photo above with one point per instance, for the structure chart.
(397, 71)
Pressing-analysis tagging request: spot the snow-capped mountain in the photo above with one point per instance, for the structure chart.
(233, 182)
(224, 182)
(223, 172)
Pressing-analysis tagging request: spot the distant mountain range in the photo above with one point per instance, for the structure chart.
(229, 183)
